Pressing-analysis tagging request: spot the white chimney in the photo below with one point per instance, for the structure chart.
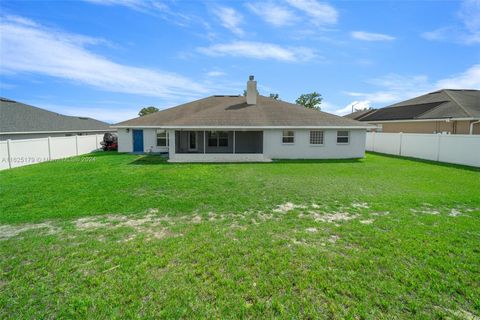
(252, 92)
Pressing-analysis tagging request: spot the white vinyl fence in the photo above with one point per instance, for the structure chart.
(452, 148)
(17, 153)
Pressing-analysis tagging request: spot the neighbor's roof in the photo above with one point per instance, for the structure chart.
(231, 111)
(359, 114)
(20, 117)
(446, 103)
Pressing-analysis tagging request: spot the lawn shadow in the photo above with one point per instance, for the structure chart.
(159, 159)
(150, 160)
(101, 153)
(436, 163)
(351, 160)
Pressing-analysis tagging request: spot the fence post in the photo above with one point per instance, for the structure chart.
(400, 147)
(76, 144)
(8, 154)
(373, 140)
(439, 136)
(49, 148)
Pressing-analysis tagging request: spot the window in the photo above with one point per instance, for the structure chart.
(192, 140)
(218, 139)
(223, 139)
(343, 137)
(288, 136)
(316, 137)
(162, 138)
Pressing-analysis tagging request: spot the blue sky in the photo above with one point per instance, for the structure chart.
(108, 58)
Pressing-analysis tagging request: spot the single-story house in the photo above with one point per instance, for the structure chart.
(242, 128)
(444, 111)
(22, 121)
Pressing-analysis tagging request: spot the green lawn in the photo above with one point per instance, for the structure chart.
(125, 236)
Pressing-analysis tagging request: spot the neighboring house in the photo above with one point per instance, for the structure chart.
(21, 121)
(359, 114)
(444, 111)
(238, 128)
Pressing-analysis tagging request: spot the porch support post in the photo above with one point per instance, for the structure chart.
(233, 141)
(204, 139)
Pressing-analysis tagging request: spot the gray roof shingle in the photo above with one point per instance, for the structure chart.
(234, 111)
(20, 117)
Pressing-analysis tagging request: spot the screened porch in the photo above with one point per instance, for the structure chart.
(226, 142)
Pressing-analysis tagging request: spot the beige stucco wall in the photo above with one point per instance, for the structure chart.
(453, 127)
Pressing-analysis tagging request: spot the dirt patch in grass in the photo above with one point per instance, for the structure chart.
(367, 221)
(10, 231)
(455, 211)
(360, 205)
(288, 206)
(332, 217)
(150, 224)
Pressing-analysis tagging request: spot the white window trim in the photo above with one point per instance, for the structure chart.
(348, 135)
(283, 136)
(166, 138)
(316, 144)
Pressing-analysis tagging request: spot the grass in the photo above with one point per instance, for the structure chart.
(126, 236)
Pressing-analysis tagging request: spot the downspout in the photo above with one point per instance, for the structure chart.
(471, 125)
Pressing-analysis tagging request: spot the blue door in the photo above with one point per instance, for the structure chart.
(137, 140)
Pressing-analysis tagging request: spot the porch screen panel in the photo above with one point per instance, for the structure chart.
(248, 142)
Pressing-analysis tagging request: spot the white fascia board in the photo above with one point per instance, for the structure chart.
(245, 127)
(67, 131)
(423, 120)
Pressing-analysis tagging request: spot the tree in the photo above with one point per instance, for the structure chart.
(147, 110)
(310, 100)
(274, 96)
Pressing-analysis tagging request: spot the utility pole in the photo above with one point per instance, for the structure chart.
(353, 105)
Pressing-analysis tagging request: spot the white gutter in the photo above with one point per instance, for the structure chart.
(421, 120)
(68, 131)
(471, 126)
(246, 127)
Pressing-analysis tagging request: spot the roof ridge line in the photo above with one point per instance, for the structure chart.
(459, 104)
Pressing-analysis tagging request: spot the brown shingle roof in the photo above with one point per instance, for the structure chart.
(234, 111)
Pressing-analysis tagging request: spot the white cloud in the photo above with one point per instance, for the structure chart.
(469, 14)
(437, 35)
(30, 48)
(259, 50)
(230, 19)
(453, 34)
(470, 79)
(396, 88)
(355, 106)
(157, 9)
(465, 31)
(216, 74)
(321, 13)
(273, 13)
(138, 5)
(370, 36)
